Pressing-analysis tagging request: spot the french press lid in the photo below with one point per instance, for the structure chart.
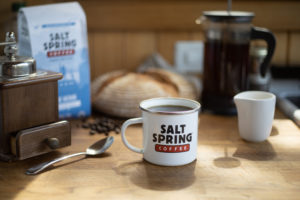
(12, 65)
(232, 16)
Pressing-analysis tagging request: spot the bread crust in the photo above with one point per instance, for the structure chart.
(119, 93)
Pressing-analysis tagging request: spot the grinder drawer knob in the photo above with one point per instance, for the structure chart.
(53, 143)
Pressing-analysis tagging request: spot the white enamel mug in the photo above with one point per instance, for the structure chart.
(170, 138)
(255, 114)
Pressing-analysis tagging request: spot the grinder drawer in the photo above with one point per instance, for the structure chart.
(42, 139)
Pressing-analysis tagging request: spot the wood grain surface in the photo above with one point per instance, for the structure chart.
(226, 168)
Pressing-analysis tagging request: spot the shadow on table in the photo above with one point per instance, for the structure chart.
(13, 179)
(274, 131)
(154, 177)
(261, 151)
(227, 161)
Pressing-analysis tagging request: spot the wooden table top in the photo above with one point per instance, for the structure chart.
(226, 168)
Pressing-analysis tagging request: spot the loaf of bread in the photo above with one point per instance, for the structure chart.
(119, 93)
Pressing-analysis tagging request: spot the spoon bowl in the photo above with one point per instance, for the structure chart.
(99, 146)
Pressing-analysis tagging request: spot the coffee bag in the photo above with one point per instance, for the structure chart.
(56, 36)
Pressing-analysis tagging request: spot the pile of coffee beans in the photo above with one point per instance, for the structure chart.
(102, 125)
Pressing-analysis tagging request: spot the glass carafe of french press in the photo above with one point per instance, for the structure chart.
(226, 62)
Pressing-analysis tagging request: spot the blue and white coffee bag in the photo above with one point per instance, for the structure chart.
(56, 36)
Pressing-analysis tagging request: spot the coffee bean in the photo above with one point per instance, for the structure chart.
(117, 130)
(94, 127)
(101, 130)
(111, 125)
(85, 125)
(92, 132)
(102, 125)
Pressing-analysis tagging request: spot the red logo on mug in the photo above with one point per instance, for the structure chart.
(172, 148)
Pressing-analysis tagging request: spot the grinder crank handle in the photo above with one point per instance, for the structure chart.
(40, 167)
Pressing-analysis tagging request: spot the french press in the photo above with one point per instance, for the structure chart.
(226, 60)
(29, 124)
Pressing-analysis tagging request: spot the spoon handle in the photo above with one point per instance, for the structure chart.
(36, 169)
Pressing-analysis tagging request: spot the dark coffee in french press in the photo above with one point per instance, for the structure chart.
(226, 57)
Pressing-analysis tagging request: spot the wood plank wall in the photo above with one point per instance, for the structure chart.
(122, 33)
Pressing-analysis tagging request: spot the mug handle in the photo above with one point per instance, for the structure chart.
(268, 36)
(123, 129)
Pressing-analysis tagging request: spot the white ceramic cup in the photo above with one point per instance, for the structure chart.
(169, 137)
(255, 114)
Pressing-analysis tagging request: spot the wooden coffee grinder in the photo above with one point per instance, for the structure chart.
(29, 124)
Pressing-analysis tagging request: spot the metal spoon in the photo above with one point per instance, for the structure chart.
(96, 149)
